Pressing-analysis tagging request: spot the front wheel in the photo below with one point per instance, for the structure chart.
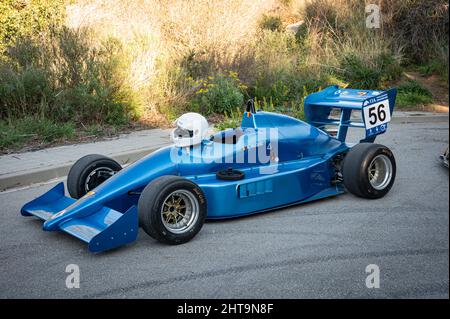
(172, 209)
(89, 172)
(369, 170)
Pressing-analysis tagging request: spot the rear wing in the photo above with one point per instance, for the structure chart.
(376, 108)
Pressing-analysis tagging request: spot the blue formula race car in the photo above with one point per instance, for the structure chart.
(270, 161)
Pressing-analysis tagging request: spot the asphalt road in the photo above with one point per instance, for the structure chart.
(316, 250)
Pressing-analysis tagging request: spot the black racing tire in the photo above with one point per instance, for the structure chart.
(84, 167)
(357, 178)
(152, 202)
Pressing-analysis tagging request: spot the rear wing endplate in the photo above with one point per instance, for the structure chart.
(376, 108)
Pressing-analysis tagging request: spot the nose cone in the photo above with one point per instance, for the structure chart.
(53, 222)
(80, 208)
(139, 174)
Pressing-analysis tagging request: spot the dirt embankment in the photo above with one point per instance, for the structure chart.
(437, 87)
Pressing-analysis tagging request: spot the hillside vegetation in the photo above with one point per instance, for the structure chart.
(70, 69)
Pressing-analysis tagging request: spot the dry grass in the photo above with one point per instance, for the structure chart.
(420, 26)
(172, 41)
(160, 34)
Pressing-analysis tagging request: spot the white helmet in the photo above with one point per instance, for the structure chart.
(191, 130)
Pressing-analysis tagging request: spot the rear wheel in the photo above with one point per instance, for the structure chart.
(89, 172)
(369, 170)
(172, 209)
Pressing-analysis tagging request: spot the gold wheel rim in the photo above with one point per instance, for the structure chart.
(179, 211)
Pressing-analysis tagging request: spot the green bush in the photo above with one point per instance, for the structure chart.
(358, 73)
(24, 93)
(411, 93)
(54, 79)
(301, 36)
(67, 77)
(272, 23)
(231, 120)
(412, 86)
(22, 18)
(438, 64)
(196, 63)
(429, 68)
(287, 93)
(369, 73)
(219, 94)
(275, 94)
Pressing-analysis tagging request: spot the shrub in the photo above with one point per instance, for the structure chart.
(368, 72)
(196, 63)
(295, 89)
(65, 76)
(358, 73)
(272, 23)
(412, 86)
(219, 94)
(302, 34)
(21, 18)
(231, 120)
(438, 64)
(23, 93)
(411, 93)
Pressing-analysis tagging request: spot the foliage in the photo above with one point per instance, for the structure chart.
(411, 93)
(15, 133)
(231, 120)
(438, 64)
(272, 23)
(22, 18)
(369, 73)
(64, 77)
(219, 94)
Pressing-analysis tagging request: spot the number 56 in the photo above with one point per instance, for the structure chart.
(379, 115)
